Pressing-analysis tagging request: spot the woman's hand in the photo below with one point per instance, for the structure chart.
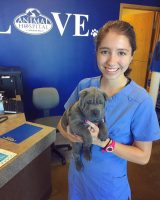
(94, 130)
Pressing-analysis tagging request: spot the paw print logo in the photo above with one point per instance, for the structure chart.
(94, 32)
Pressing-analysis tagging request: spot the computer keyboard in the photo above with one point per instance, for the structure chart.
(12, 106)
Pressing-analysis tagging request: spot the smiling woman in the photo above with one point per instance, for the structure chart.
(130, 118)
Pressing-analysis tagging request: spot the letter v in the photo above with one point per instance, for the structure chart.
(61, 28)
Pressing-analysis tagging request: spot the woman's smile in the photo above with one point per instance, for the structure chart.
(111, 69)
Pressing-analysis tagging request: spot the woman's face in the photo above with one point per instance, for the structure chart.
(114, 55)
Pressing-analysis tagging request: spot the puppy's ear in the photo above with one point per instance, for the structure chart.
(83, 93)
(105, 95)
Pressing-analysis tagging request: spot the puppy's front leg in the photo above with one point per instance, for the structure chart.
(103, 133)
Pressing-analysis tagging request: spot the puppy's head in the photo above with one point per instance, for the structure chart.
(92, 104)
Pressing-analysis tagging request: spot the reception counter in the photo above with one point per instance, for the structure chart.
(27, 176)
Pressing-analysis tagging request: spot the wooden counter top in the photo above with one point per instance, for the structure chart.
(27, 150)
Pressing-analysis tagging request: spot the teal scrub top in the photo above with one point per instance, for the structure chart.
(130, 116)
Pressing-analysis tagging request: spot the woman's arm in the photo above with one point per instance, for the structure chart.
(139, 152)
(67, 134)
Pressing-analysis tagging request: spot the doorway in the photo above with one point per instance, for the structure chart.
(143, 19)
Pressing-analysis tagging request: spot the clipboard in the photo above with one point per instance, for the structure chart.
(21, 133)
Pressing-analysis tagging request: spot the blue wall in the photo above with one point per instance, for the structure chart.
(53, 58)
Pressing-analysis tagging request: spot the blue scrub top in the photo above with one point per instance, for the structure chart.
(130, 116)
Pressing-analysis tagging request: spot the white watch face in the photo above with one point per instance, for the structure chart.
(110, 148)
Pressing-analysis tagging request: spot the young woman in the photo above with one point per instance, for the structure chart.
(130, 118)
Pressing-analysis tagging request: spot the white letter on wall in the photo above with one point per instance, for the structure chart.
(79, 25)
(7, 32)
(61, 28)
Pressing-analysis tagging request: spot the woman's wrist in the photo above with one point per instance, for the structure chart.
(106, 142)
(110, 146)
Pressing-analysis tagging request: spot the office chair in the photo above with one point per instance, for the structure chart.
(45, 99)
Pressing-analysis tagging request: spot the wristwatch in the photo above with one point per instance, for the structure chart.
(109, 147)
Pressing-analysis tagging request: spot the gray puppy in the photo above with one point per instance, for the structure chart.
(90, 106)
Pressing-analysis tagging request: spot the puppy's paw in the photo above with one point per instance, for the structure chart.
(79, 165)
(87, 154)
(102, 136)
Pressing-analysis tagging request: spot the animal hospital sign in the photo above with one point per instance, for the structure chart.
(32, 22)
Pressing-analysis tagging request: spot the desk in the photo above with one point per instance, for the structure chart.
(27, 176)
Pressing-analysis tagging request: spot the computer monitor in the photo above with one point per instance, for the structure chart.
(11, 81)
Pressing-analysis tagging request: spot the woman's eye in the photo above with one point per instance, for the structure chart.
(104, 52)
(122, 53)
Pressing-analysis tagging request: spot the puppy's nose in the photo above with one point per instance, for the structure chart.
(95, 112)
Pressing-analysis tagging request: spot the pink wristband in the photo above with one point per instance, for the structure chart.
(109, 147)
